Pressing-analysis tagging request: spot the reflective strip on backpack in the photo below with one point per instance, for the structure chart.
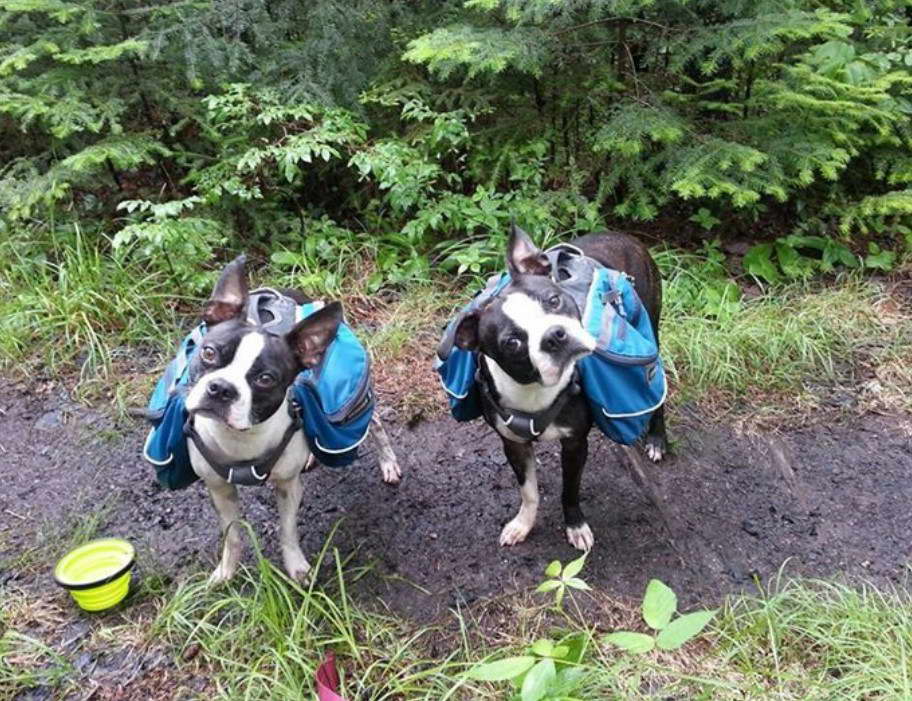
(644, 411)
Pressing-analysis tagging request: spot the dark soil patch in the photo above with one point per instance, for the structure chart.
(829, 499)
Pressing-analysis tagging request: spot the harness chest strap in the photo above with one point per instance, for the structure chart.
(527, 426)
(247, 473)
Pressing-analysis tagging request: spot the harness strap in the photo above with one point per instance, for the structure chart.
(248, 473)
(527, 426)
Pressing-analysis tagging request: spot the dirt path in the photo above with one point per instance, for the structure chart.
(831, 499)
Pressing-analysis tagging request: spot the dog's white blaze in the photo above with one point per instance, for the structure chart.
(235, 373)
(529, 315)
(529, 398)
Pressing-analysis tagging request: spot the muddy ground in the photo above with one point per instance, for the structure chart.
(724, 511)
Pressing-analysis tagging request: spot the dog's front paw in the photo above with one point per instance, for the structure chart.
(296, 565)
(391, 471)
(515, 531)
(220, 575)
(581, 537)
(655, 448)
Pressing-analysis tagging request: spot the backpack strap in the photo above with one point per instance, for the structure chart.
(252, 473)
(527, 426)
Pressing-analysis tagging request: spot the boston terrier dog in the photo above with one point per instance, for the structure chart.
(237, 401)
(529, 338)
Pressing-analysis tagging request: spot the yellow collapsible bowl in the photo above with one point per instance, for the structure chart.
(97, 574)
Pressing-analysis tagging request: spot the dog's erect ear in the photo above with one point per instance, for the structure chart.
(523, 258)
(467, 332)
(313, 334)
(230, 294)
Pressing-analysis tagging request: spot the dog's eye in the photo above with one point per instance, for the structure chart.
(208, 354)
(554, 301)
(513, 345)
(265, 380)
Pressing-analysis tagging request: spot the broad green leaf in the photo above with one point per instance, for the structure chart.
(789, 260)
(576, 646)
(757, 262)
(549, 585)
(501, 670)
(659, 604)
(537, 681)
(567, 680)
(577, 583)
(574, 567)
(554, 569)
(637, 643)
(542, 647)
(682, 629)
(880, 259)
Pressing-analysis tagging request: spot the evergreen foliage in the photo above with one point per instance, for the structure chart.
(184, 128)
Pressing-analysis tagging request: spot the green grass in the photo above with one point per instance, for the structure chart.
(265, 636)
(819, 640)
(68, 303)
(27, 663)
(805, 332)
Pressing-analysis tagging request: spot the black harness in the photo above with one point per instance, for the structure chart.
(527, 426)
(249, 473)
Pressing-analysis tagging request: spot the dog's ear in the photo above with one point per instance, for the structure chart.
(467, 331)
(523, 258)
(230, 294)
(312, 335)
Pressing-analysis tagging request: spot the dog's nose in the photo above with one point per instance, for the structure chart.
(554, 338)
(221, 389)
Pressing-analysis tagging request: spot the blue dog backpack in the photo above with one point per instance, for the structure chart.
(623, 379)
(334, 400)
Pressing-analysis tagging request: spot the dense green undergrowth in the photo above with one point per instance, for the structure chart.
(263, 636)
(417, 131)
(68, 306)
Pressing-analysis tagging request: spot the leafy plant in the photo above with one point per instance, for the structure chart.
(879, 258)
(562, 578)
(660, 603)
(791, 258)
(705, 218)
(549, 672)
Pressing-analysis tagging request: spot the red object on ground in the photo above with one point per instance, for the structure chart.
(327, 679)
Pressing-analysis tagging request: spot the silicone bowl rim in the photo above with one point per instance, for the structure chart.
(107, 579)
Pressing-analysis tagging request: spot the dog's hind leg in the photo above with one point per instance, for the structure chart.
(225, 500)
(389, 465)
(656, 440)
(288, 496)
(522, 459)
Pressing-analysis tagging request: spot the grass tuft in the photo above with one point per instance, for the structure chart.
(816, 639)
(267, 634)
(70, 305)
(715, 340)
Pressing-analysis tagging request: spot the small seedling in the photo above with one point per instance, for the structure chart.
(705, 218)
(659, 604)
(563, 577)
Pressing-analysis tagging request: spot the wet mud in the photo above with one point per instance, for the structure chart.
(724, 512)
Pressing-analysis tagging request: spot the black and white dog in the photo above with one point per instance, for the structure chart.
(529, 339)
(237, 400)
